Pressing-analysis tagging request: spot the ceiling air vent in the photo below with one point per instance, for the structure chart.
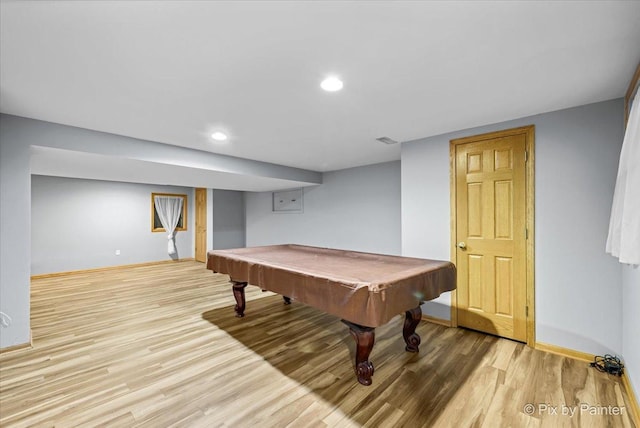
(387, 140)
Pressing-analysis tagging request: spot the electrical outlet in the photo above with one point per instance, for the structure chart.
(117, 252)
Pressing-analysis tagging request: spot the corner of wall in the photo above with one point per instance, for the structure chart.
(631, 325)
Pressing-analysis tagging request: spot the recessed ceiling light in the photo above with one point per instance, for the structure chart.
(219, 136)
(331, 84)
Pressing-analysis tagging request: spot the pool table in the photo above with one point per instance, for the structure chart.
(365, 290)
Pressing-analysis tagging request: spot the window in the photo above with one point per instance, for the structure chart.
(156, 224)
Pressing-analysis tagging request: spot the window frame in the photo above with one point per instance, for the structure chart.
(182, 223)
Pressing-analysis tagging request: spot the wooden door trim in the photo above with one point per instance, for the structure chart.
(529, 132)
(199, 206)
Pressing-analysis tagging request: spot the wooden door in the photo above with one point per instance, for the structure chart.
(491, 232)
(201, 225)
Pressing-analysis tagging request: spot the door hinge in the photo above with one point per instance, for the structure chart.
(526, 155)
(526, 233)
(526, 310)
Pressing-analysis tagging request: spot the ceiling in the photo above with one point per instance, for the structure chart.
(174, 72)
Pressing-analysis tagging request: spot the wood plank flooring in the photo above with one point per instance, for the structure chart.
(159, 346)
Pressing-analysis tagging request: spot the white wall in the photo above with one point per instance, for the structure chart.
(228, 219)
(356, 208)
(578, 286)
(78, 224)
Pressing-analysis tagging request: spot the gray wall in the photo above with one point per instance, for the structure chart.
(228, 227)
(578, 286)
(631, 324)
(15, 234)
(78, 224)
(425, 210)
(356, 208)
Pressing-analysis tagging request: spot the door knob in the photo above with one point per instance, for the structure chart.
(462, 245)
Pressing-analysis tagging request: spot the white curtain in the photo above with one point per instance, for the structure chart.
(623, 241)
(169, 209)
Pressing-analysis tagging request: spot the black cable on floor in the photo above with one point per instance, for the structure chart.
(608, 364)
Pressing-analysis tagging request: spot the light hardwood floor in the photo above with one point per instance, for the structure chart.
(159, 346)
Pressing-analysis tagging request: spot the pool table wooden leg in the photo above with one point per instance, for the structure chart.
(365, 338)
(238, 293)
(411, 321)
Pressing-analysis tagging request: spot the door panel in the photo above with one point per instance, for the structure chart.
(475, 276)
(503, 191)
(474, 207)
(504, 286)
(490, 211)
